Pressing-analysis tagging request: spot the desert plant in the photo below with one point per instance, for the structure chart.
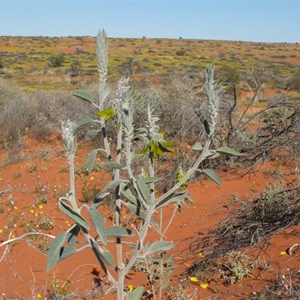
(237, 267)
(56, 60)
(134, 194)
(286, 286)
(294, 82)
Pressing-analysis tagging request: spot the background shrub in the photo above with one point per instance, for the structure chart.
(56, 60)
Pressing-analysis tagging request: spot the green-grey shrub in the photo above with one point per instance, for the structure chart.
(134, 192)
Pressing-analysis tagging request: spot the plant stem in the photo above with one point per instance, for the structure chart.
(119, 207)
(72, 180)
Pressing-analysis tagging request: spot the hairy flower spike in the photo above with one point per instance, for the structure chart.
(70, 139)
(213, 90)
(102, 55)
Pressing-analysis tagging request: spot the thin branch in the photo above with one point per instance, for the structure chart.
(25, 235)
(171, 220)
(6, 250)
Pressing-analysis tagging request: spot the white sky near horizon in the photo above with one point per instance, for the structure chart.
(245, 20)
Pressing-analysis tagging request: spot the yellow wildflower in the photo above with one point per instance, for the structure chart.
(188, 265)
(130, 287)
(283, 253)
(32, 211)
(203, 285)
(200, 254)
(39, 296)
(40, 206)
(193, 279)
(1, 230)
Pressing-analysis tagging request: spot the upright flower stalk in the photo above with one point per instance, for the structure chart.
(70, 141)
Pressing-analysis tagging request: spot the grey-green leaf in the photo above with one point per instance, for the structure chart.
(212, 175)
(129, 195)
(178, 197)
(230, 151)
(144, 190)
(55, 250)
(102, 254)
(160, 246)
(111, 185)
(118, 231)
(136, 158)
(91, 134)
(69, 211)
(90, 161)
(98, 222)
(147, 180)
(197, 147)
(112, 164)
(82, 124)
(83, 95)
(107, 256)
(135, 294)
(71, 240)
(67, 251)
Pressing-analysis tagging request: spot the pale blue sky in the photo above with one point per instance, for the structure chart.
(246, 20)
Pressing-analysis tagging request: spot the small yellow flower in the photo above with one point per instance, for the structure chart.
(32, 211)
(36, 214)
(200, 254)
(39, 296)
(203, 285)
(283, 253)
(188, 265)
(40, 206)
(193, 279)
(1, 230)
(130, 287)
(40, 212)
(13, 236)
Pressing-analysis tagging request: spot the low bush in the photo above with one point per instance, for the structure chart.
(56, 60)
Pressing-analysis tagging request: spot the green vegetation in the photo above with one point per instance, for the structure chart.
(135, 196)
(56, 60)
(24, 59)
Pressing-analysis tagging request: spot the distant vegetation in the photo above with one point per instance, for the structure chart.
(26, 60)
